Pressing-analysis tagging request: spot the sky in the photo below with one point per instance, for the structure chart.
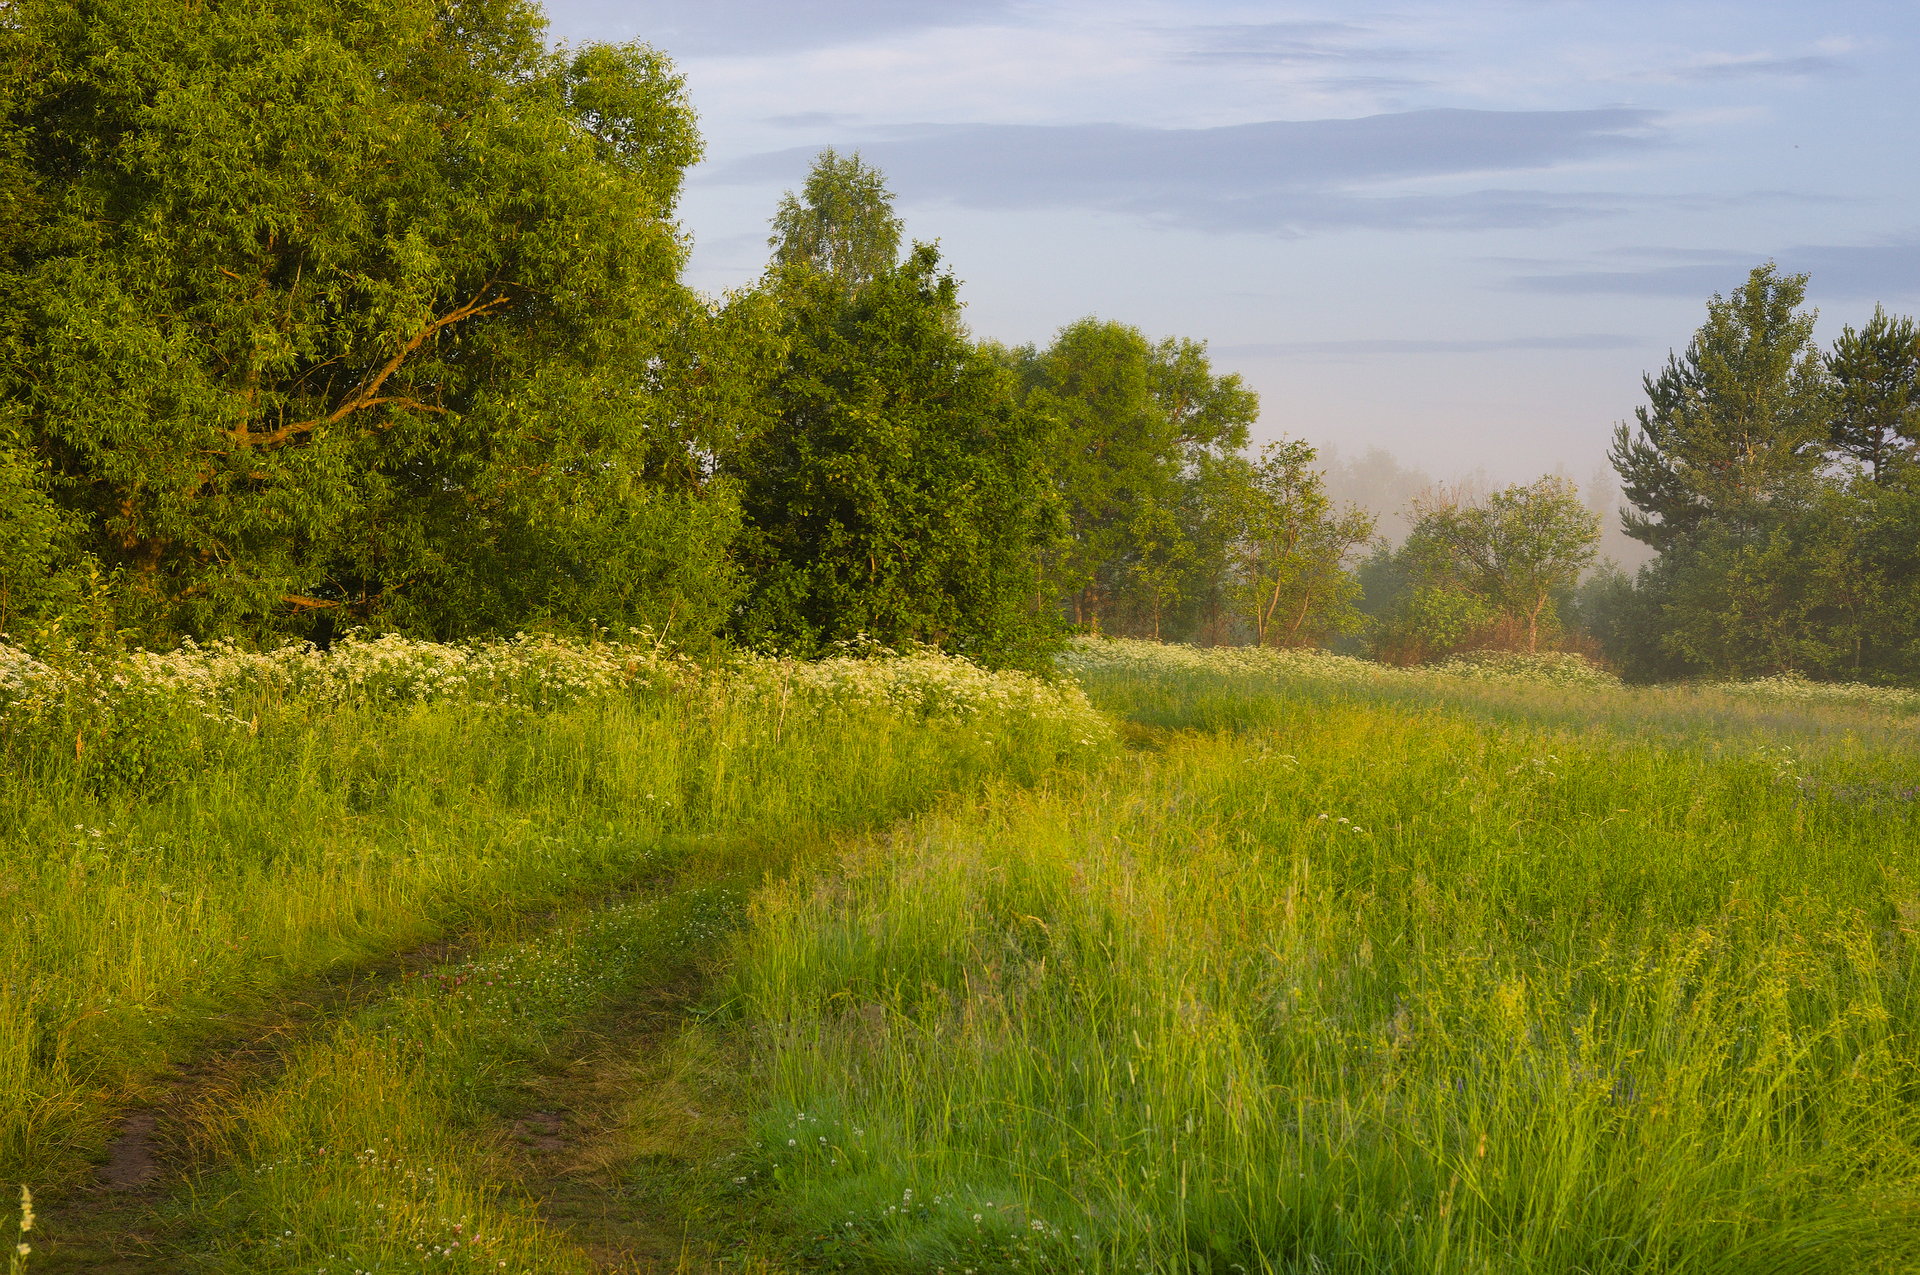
(1459, 232)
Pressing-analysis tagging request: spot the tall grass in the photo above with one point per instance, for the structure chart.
(378, 1148)
(1375, 980)
(185, 839)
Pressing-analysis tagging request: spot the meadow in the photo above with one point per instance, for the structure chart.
(208, 847)
(1187, 961)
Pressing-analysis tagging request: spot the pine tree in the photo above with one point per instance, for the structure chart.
(1876, 394)
(1732, 424)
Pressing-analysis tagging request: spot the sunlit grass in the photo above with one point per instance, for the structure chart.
(1382, 976)
(220, 835)
(1502, 969)
(380, 1144)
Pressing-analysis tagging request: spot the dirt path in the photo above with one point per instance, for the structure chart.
(575, 1146)
(611, 1132)
(116, 1223)
(618, 1133)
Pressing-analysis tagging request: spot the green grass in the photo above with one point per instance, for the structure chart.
(1340, 970)
(194, 862)
(1350, 975)
(380, 1147)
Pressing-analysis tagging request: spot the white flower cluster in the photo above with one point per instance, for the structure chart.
(537, 672)
(1089, 654)
(922, 684)
(1553, 668)
(1792, 688)
(1133, 655)
(534, 671)
(24, 678)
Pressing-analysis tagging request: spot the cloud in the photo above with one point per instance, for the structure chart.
(1754, 66)
(723, 27)
(1273, 177)
(1281, 44)
(1493, 345)
(811, 119)
(1364, 84)
(1841, 271)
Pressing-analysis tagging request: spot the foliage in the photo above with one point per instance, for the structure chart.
(318, 310)
(1875, 374)
(1517, 548)
(1481, 573)
(1618, 614)
(1778, 486)
(901, 493)
(1734, 423)
(841, 224)
(1821, 587)
(39, 566)
(1292, 546)
(1141, 440)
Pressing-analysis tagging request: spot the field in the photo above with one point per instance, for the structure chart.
(543, 957)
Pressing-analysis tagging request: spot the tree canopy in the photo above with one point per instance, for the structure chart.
(1733, 421)
(316, 308)
(1482, 572)
(901, 492)
(1875, 377)
(1133, 423)
(1778, 484)
(1292, 581)
(840, 224)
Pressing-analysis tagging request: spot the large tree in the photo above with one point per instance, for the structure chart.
(1733, 423)
(900, 493)
(1135, 423)
(315, 307)
(1293, 544)
(1777, 485)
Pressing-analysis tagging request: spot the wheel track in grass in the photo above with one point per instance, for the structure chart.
(613, 1130)
(571, 1144)
(109, 1221)
(115, 1220)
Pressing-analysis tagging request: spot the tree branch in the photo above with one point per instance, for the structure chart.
(368, 395)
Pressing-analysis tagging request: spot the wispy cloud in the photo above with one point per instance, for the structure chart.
(1388, 346)
(722, 27)
(811, 119)
(1843, 271)
(1282, 44)
(1748, 68)
(1275, 177)
(1713, 68)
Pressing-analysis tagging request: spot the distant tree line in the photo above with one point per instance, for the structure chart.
(313, 316)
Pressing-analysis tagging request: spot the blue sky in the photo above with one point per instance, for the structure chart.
(1458, 231)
